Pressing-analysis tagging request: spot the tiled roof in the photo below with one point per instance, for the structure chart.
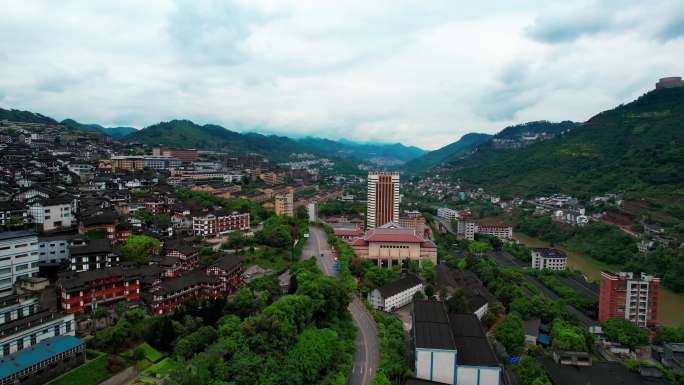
(392, 235)
(28, 357)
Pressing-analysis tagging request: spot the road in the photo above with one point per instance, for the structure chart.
(366, 357)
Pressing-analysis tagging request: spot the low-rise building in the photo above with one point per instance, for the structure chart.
(81, 292)
(52, 213)
(451, 348)
(395, 294)
(43, 362)
(448, 214)
(629, 296)
(19, 257)
(90, 254)
(391, 245)
(219, 222)
(54, 250)
(548, 258)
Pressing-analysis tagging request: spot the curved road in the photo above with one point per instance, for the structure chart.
(366, 357)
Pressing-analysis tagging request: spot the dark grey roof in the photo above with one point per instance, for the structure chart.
(187, 280)
(471, 342)
(73, 279)
(92, 246)
(549, 252)
(431, 326)
(227, 262)
(531, 327)
(418, 381)
(393, 288)
(603, 373)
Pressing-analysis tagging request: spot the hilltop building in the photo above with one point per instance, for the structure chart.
(626, 295)
(383, 198)
(669, 82)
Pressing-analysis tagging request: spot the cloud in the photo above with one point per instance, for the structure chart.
(563, 24)
(673, 30)
(418, 72)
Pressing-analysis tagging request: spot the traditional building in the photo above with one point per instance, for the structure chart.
(629, 296)
(81, 292)
(391, 245)
(90, 254)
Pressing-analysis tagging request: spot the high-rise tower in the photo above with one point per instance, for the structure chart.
(383, 198)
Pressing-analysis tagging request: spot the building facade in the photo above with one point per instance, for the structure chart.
(395, 294)
(220, 222)
(51, 214)
(391, 245)
(81, 292)
(547, 258)
(448, 214)
(19, 257)
(629, 296)
(284, 203)
(383, 198)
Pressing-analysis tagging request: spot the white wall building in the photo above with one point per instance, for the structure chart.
(19, 258)
(54, 250)
(395, 294)
(448, 214)
(547, 258)
(51, 214)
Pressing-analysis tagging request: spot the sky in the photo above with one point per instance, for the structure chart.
(418, 72)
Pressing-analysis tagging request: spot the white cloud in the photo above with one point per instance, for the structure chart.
(418, 72)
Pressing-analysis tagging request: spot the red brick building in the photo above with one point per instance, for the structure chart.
(629, 296)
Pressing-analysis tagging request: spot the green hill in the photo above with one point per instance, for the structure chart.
(637, 148)
(25, 117)
(349, 149)
(114, 132)
(447, 153)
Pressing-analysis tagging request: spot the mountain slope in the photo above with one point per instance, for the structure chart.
(114, 132)
(396, 152)
(25, 117)
(637, 148)
(447, 153)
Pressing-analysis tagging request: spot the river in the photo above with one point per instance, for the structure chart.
(671, 306)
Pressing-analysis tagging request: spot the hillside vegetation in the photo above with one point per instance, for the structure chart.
(447, 153)
(637, 148)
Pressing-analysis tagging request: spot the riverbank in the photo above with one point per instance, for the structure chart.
(671, 309)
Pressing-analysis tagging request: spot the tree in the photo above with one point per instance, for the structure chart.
(511, 334)
(624, 332)
(478, 247)
(381, 379)
(427, 270)
(528, 371)
(457, 303)
(139, 248)
(314, 351)
(670, 334)
(568, 337)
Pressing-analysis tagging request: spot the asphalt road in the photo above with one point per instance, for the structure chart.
(366, 357)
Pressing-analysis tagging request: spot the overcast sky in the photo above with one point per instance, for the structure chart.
(418, 72)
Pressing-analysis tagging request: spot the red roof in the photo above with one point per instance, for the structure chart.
(359, 242)
(392, 235)
(346, 232)
(428, 245)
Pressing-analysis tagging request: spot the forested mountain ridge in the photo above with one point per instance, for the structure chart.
(114, 132)
(637, 148)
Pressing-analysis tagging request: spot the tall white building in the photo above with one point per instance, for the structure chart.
(383, 198)
(312, 212)
(19, 256)
(448, 214)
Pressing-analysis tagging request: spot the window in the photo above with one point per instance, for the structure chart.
(20, 344)
(56, 330)
(5, 270)
(33, 339)
(68, 326)
(6, 349)
(22, 267)
(5, 281)
(20, 245)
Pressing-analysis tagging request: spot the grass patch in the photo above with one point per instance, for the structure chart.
(149, 353)
(90, 373)
(161, 369)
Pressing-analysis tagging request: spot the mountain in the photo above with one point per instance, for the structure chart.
(543, 127)
(637, 148)
(395, 153)
(184, 133)
(114, 132)
(447, 153)
(25, 117)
